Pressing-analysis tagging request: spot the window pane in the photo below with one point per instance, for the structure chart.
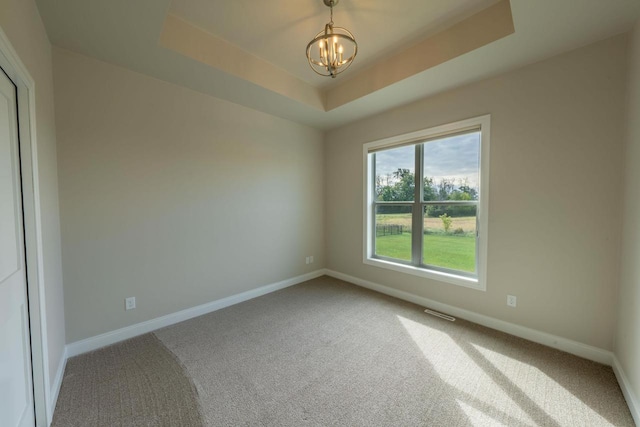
(449, 239)
(393, 232)
(452, 168)
(395, 174)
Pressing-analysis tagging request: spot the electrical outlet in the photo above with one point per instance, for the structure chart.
(511, 300)
(307, 260)
(311, 259)
(130, 303)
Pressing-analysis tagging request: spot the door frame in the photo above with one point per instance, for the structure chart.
(18, 73)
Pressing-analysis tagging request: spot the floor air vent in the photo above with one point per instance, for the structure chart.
(440, 315)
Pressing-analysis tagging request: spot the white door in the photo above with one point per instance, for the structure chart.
(16, 392)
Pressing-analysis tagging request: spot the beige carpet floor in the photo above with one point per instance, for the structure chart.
(329, 353)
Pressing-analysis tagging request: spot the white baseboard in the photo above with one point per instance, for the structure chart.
(55, 387)
(579, 349)
(627, 391)
(112, 337)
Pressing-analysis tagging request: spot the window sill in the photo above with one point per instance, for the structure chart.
(466, 282)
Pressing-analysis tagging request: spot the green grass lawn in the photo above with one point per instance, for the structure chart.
(442, 250)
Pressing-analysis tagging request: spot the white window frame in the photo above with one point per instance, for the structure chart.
(481, 123)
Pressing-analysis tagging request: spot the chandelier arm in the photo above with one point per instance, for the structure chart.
(321, 64)
(319, 73)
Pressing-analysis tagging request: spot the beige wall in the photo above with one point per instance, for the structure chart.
(175, 197)
(627, 348)
(21, 22)
(555, 176)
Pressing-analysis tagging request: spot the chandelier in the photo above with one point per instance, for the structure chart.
(332, 50)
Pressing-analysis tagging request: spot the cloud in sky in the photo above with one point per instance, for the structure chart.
(452, 157)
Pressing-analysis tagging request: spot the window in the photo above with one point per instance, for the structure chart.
(426, 202)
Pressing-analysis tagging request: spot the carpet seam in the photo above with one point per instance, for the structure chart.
(185, 372)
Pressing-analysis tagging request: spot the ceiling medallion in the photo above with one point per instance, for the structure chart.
(332, 50)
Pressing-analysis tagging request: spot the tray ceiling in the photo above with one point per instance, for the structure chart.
(252, 53)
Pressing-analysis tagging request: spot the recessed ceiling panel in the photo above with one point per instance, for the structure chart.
(278, 31)
(473, 32)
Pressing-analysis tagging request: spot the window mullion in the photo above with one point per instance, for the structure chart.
(374, 197)
(417, 223)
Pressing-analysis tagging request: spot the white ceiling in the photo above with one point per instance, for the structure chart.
(127, 33)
